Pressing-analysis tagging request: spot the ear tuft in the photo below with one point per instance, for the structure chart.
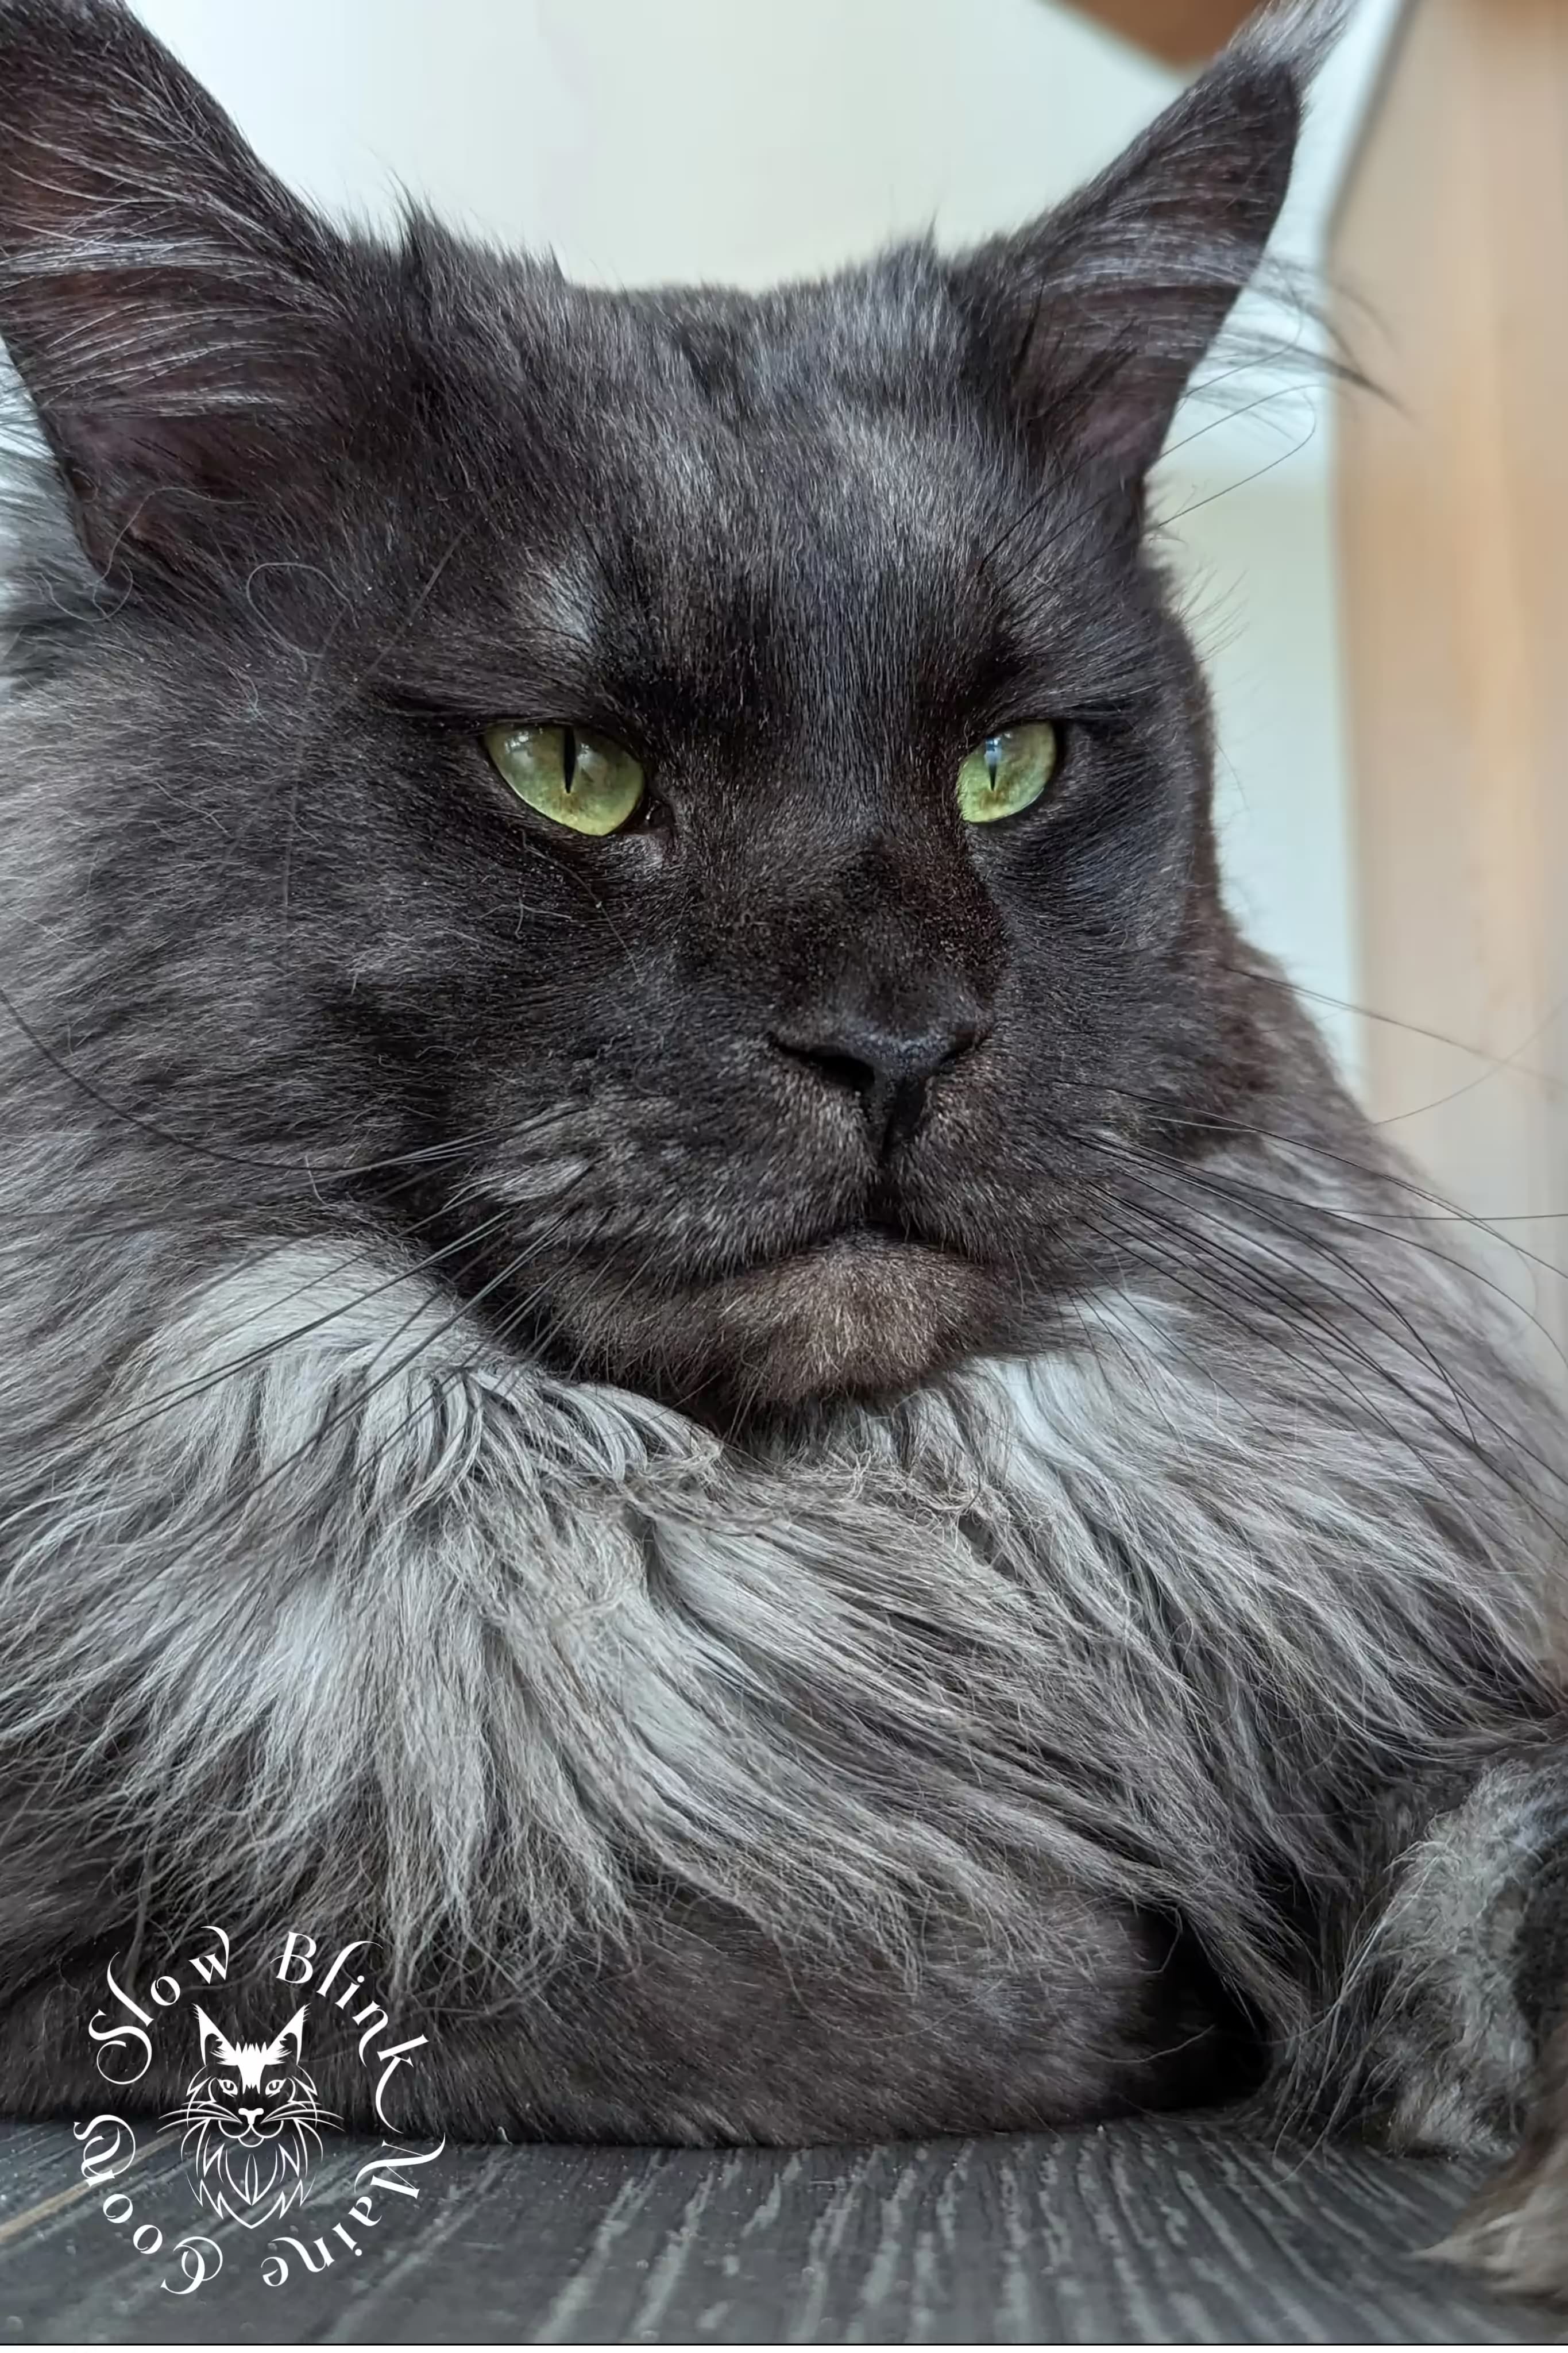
(214, 2041)
(1099, 314)
(161, 295)
(1297, 33)
(293, 2033)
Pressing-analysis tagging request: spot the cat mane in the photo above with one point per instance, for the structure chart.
(473, 1648)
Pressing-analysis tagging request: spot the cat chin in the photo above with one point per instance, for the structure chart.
(862, 1314)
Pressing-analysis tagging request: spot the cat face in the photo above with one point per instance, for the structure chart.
(250, 2091)
(800, 1082)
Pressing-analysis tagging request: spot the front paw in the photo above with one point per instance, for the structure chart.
(1516, 2233)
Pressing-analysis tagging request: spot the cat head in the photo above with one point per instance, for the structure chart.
(250, 2091)
(692, 812)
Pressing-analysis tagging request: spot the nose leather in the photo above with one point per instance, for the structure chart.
(886, 1063)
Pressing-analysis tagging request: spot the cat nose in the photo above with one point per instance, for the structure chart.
(886, 1063)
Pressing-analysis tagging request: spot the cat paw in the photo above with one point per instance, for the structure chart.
(1516, 2234)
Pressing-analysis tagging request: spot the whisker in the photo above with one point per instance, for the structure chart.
(1288, 1304)
(148, 1410)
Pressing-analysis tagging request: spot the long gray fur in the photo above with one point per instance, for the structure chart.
(873, 1764)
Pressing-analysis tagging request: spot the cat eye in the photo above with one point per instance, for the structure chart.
(274, 2087)
(1008, 773)
(228, 2086)
(581, 781)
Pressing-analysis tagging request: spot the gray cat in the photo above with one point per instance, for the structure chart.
(681, 1330)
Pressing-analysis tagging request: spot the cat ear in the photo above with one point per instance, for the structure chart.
(1096, 315)
(167, 303)
(214, 2043)
(293, 2033)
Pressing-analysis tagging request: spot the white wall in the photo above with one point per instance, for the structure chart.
(1261, 597)
(662, 139)
(648, 140)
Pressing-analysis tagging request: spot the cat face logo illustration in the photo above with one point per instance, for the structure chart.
(251, 2119)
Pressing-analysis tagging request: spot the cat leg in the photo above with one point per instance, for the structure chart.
(1517, 2232)
(702, 2031)
(1469, 2052)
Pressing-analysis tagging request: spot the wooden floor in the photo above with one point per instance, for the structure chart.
(1154, 2232)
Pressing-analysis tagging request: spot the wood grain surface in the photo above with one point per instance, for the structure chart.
(1153, 2233)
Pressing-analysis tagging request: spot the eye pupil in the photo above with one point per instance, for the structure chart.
(1008, 773)
(581, 781)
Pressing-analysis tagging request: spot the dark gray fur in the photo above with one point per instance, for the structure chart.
(776, 1630)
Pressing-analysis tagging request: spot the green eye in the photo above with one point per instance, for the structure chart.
(1008, 773)
(575, 779)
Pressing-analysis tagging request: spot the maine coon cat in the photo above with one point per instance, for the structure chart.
(681, 1330)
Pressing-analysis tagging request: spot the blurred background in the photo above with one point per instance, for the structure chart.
(1376, 584)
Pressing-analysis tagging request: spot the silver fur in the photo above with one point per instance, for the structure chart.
(316, 1520)
(853, 1774)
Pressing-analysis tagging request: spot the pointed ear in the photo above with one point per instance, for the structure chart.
(214, 2043)
(293, 2033)
(1096, 317)
(166, 302)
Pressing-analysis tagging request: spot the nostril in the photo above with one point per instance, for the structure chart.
(861, 1054)
(844, 1070)
(961, 1039)
(888, 1068)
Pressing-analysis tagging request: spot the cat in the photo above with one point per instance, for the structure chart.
(251, 2118)
(683, 1333)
